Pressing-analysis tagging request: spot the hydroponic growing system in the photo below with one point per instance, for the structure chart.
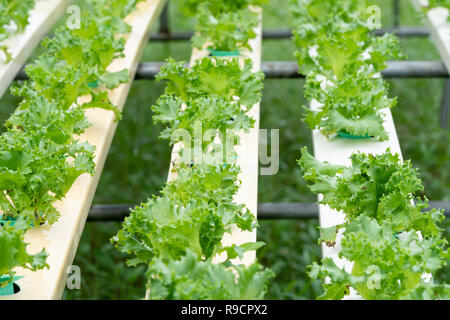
(197, 238)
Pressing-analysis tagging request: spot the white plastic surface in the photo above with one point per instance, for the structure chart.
(438, 24)
(21, 45)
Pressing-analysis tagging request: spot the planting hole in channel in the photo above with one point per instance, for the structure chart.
(16, 288)
(10, 289)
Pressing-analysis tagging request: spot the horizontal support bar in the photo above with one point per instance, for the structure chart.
(286, 34)
(395, 69)
(266, 211)
(148, 70)
(415, 69)
(287, 210)
(289, 69)
(404, 32)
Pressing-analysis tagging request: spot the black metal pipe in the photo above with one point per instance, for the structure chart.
(173, 36)
(404, 32)
(286, 210)
(266, 211)
(396, 10)
(289, 69)
(395, 69)
(445, 106)
(415, 69)
(164, 27)
(113, 212)
(286, 34)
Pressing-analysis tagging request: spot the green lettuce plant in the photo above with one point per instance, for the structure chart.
(391, 241)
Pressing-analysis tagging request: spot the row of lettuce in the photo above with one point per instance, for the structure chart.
(342, 61)
(13, 20)
(226, 26)
(393, 245)
(178, 234)
(40, 153)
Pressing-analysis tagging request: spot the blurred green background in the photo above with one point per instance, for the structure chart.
(138, 161)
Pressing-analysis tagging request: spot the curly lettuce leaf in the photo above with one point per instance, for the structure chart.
(188, 279)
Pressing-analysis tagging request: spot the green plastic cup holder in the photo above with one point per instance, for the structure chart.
(395, 235)
(219, 53)
(9, 220)
(10, 288)
(225, 164)
(93, 84)
(346, 135)
(12, 221)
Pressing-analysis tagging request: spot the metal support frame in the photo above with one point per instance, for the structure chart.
(445, 106)
(266, 211)
(286, 34)
(290, 69)
(164, 27)
(396, 10)
(395, 69)
(287, 69)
